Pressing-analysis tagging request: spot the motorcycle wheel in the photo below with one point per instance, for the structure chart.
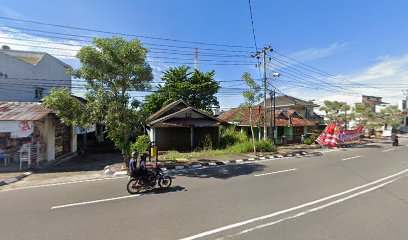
(165, 182)
(131, 186)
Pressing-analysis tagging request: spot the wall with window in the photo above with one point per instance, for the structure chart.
(24, 82)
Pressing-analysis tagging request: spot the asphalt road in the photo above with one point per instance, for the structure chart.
(356, 193)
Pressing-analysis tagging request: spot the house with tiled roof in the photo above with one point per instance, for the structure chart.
(302, 107)
(290, 125)
(181, 127)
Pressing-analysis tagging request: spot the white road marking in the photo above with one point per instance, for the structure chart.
(313, 209)
(64, 183)
(96, 201)
(238, 224)
(392, 149)
(345, 159)
(264, 174)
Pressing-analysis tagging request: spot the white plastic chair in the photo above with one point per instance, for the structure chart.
(25, 155)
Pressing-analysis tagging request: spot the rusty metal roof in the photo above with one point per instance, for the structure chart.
(22, 111)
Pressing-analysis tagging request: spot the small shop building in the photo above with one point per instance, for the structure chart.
(31, 133)
(180, 127)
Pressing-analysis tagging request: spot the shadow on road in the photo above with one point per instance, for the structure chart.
(369, 146)
(223, 172)
(169, 190)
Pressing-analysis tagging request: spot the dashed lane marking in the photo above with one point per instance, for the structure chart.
(96, 201)
(346, 159)
(392, 149)
(65, 183)
(271, 173)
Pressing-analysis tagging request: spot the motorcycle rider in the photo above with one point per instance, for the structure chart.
(133, 165)
(394, 139)
(144, 174)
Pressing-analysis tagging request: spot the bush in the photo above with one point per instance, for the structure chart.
(265, 146)
(308, 141)
(229, 136)
(142, 144)
(242, 147)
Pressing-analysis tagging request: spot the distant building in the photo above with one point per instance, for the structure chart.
(27, 76)
(302, 107)
(372, 102)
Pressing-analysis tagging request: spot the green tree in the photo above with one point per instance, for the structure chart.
(391, 116)
(198, 89)
(251, 96)
(112, 68)
(363, 115)
(336, 111)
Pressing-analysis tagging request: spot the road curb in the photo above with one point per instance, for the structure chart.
(196, 165)
(15, 179)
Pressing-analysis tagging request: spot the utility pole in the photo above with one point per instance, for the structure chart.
(272, 122)
(405, 92)
(196, 58)
(264, 51)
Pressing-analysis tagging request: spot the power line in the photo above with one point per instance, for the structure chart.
(80, 39)
(121, 34)
(252, 23)
(162, 50)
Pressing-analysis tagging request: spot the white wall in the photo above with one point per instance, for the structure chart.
(24, 78)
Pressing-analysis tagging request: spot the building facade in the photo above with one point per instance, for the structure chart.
(28, 76)
(178, 126)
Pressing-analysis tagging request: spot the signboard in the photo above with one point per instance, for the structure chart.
(80, 130)
(17, 129)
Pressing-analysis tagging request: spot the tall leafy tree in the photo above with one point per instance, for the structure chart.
(336, 111)
(112, 67)
(391, 116)
(251, 96)
(363, 115)
(197, 88)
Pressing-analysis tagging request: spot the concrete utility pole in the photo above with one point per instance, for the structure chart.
(196, 58)
(265, 50)
(405, 92)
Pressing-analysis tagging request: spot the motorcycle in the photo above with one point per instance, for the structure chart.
(394, 139)
(157, 177)
(395, 142)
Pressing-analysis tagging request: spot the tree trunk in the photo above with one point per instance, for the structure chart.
(126, 158)
(252, 129)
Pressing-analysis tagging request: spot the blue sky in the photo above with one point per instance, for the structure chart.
(360, 43)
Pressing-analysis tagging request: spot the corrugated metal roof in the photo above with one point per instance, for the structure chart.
(22, 111)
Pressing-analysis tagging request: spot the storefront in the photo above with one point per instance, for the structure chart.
(62, 139)
(34, 130)
(18, 135)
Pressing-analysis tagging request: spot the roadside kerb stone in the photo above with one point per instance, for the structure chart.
(15, 179)
(213, 164)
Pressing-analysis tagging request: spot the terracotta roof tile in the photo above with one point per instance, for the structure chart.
(241, 117)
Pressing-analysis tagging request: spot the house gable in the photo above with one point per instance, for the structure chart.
(168, 109)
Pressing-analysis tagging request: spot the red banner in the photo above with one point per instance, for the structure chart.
(334, 134)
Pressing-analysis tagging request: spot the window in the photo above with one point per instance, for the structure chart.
(39, 92)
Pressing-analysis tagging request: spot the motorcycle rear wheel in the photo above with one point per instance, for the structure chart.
(131, 186)
(165, 182)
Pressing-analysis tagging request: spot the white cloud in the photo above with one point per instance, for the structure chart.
(18, 40)
(317, 53)
(8, 12)
(385, 79)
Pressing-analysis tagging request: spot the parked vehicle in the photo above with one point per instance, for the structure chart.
(155, 178)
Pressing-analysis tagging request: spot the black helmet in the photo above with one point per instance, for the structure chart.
(135, 154)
